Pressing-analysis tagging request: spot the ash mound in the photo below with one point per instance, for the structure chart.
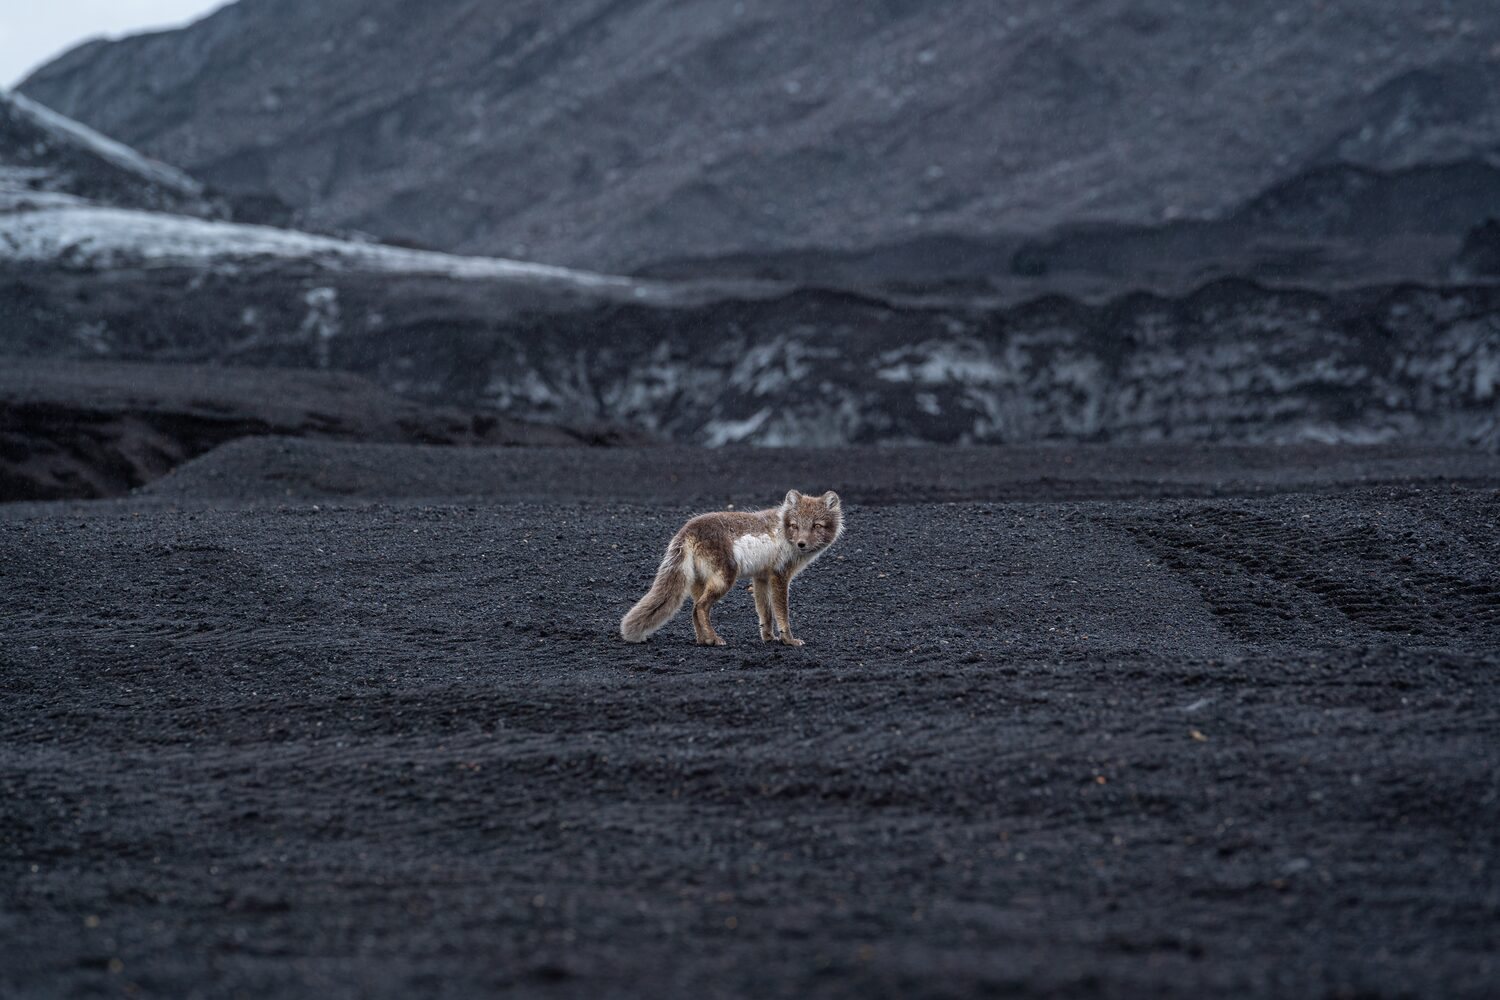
(98, 429)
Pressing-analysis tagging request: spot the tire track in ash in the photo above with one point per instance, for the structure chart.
(1303, 569)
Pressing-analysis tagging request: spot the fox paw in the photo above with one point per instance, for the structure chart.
(789, 641)
(715, 641)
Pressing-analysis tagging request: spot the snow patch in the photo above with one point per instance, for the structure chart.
(943, 364)
(322, 324)
(721, 432)
(112, 237)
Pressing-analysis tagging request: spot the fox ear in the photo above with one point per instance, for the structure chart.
(831, 499)
(792, 496)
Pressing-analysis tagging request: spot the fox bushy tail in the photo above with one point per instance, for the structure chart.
(661, 602)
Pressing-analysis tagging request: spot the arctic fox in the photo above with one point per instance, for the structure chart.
(711, 551)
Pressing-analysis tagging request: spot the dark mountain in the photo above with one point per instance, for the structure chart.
(617, 133)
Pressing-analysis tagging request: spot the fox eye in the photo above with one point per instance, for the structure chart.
(817, 525)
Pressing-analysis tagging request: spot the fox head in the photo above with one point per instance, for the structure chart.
(812, 523)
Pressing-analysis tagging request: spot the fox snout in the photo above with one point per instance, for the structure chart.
(801, 545)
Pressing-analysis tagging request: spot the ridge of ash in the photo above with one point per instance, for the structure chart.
(71, 430)
(269, 469)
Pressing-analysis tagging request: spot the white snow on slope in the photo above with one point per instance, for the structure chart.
(97, 236)
(25, 187)
(77, 134)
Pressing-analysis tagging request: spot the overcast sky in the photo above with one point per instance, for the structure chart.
(34, 31)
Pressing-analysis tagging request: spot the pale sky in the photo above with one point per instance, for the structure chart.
(32, 32)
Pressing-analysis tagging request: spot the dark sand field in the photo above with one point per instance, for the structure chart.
(1142, 722)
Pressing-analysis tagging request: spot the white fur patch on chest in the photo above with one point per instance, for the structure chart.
(758, 553)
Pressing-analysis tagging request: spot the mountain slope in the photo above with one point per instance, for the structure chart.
(49, 160)
(72, 196)
(621, 132)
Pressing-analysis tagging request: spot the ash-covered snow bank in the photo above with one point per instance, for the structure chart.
(82, 235)
(1231, 362)
(73, 198)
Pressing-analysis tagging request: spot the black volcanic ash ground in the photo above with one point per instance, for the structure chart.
(376, 748)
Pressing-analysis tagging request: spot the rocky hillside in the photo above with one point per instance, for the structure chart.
(618, 133)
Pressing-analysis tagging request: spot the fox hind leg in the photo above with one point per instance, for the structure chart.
(705, 595)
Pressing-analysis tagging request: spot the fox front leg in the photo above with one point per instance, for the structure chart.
(780, 605)
(761, 588)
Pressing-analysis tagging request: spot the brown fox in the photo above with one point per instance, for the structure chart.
(711, 551)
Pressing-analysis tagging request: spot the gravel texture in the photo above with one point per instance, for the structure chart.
(375, 747)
